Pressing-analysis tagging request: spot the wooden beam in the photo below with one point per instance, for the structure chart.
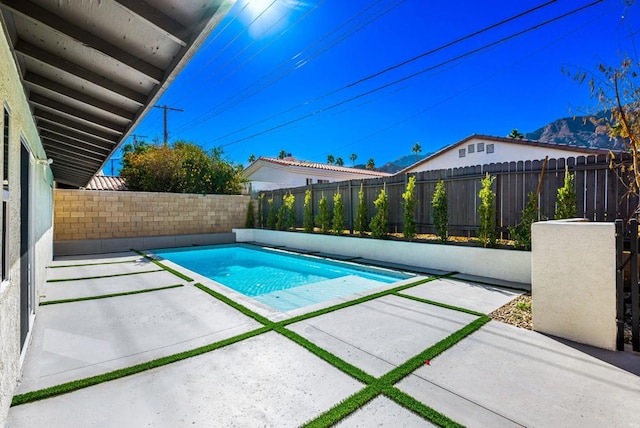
(173, 29)
(40, 55)
(45, 115)
(97, 151)
(68, 159)
(66, 132)
(43, 82)
(48, 102)
(42, 16)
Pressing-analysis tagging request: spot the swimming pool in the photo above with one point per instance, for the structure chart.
(283, 281)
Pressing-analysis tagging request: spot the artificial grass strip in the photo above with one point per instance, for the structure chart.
(335, 361)
(115, 275)
(91, 264)
(75, 385)
(408, 402)
(442, 305)
(356, 301)
(344, 408)
(235, 305)
(403, 370)
(106, 296)
(167, 268)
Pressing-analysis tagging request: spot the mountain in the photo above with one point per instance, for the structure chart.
(581, 131)
(402, 162)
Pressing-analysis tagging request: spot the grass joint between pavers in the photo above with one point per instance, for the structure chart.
(384, 385)
(107, 296)
(114, 275)
(167, 268)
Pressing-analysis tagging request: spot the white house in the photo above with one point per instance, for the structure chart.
(75, 79)
(485, 149)
(273, 173)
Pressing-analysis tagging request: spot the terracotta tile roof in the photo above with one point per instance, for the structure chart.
(323, 166)
(106, 182)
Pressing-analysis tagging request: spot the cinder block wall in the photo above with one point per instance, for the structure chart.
(92, 214)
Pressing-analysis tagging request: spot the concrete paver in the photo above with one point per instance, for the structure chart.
(265, 381)
(383, 412)
(102, 286)
(464, 294)
(380, 334)
(82, 339)
(528, 379)
(499, 376)
(96, 258)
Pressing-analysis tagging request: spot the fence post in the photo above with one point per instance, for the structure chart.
(619, 286)
(635, 303)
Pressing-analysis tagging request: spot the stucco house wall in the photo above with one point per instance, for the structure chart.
(484, 150)
(22, 131)
(271, 174)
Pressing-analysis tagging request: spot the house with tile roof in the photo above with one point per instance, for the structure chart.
(274, 173)
(106, 182)
(485, 149)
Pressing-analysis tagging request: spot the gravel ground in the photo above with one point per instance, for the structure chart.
(517, 312)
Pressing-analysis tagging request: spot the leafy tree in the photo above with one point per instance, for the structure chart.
(307, 221)
(618, 92)
(371, 164)
(250, 221)
(362, 213)
(487, 211)
(417, 148)
(261, 210)
(409, 205)
(271, 216)
(252, 158)
(290, 201)
(282, 154)
(353, 158)
(331, 160)
(380, 220)
(521, 233)
(566, 206)
(324, 215)
(339, 161)
(441, 212)
(516, 134)
(338, 214)
(182, 167)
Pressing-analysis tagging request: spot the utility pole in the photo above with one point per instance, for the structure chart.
(136, 136)
(166, 108)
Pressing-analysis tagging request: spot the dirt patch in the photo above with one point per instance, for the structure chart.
(517, 312)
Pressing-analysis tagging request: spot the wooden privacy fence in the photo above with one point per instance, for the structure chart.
(600, 194)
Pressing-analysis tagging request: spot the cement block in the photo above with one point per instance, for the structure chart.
(464, 294)
(383, 412)
(527, 379)
(383, 333)
(263, 381)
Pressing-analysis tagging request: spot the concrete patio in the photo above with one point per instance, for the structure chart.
(499, 375)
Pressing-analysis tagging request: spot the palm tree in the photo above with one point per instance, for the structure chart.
(353, 158)
(282, 154)
(252, 158)
(417, 148)
(339, 161)
(516, 134)
(330, 160)
(371, 164)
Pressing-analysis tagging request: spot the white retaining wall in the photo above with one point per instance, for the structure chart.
(573, 281)
(506, 265)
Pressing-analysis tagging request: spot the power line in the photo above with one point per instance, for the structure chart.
(413, 75)
(297, 61)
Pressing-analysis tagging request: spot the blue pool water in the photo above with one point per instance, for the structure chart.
(281, 280)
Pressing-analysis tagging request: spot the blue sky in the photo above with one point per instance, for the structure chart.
(282, 75)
